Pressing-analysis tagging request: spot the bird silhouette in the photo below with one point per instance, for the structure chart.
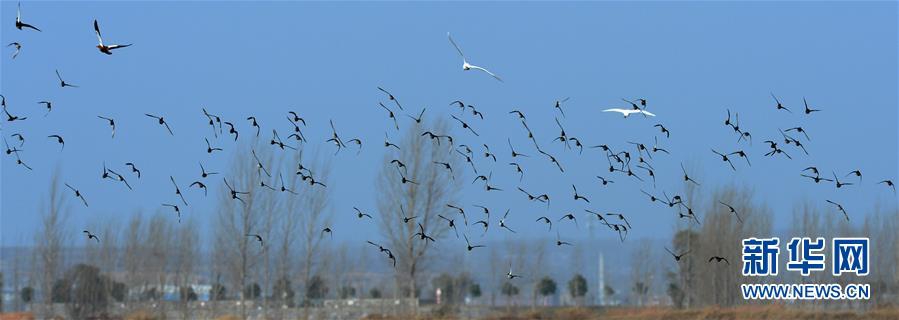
(469, 246)
(391, 97)
(360, 214)
(177, 190)
(719, 258)
(161, 122)
(111, 123)
(779, 105)
(91, 236)
(258, 238)
(59, 140)
(77, 194)
(19, 23)
(63, 83)
(18, 47)
(732, 210)
(677, 257)
(839, 207)
(807, 109)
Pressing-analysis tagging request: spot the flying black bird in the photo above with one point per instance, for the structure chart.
(422, 235)
(335, 138)
(404, 179)
(502, 222)
(569, 217)
(209, 148)
(553, 160)
(19, 23)
(732, 210)
(111, 123)
(857, 173)
(799, 130)
(577, 196)
(518, 170)
(284, 187)
(779, 105)
(418, 120)
(234, 194)
(204, 173)
(839, 207)
(276, 141)
(296, 118)
(176, 208)
(48, 105)
(452, 224)
(817, 178)
(360, 214)
(231, 130)
(91, 236)
(18, 48)
(890, 184)
(465, 125)
(328, 231)
(604, 181)
(177, 190)
(161, 121)
(19, 160)
(741, 154)
(387, 143)
(63, 83)
(107, 49)
(405, 218)
(133, 169)
(258, 238)
(58, 140)
(559, 106)
(514, 154)
(547, 221)
(391, 98)
(725, 159)
(488, 154)
(461, 211)
(620, 217)
(518, 113)
(201, 186)
(469, 246)
(253, 123)
(213, 119)
(838, 183)
(807, 109)
(259, 165)
(677, 257)
(390, 115)
(687, 177)
(77, 194)
(121, 179)
(664, 130)
(559, 241)
(718, 258)
(11, 118)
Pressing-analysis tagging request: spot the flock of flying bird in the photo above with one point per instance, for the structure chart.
(634, 161)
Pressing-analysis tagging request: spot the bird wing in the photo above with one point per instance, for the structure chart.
(487, 71)
(455, 45)
(97, 29)
(647, 113)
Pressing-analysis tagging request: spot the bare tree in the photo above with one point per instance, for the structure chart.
(431, 189)
(642, 271)
(239, 254)
(51, 236)
(133, 259)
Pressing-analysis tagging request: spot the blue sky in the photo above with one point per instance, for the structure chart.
(692, 61)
